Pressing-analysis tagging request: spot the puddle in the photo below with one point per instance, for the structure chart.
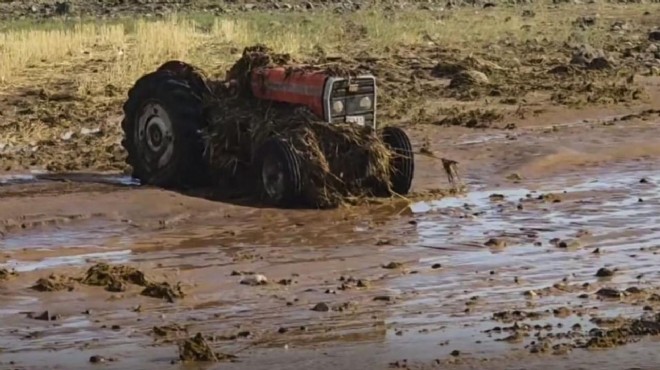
(43, 176)
(122, 256)
(94, 234)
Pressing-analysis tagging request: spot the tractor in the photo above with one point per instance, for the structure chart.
(165, 119)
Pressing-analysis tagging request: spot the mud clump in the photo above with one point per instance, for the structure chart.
(163, 291)
(7, 274)
(113, 278)
(468, 78)
(54, 283)
(628, 332)
(197, 348)
(476, 118)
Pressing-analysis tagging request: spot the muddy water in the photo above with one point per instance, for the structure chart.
(441, 299)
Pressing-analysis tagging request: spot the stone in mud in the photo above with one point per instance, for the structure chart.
(654, 35)
(496, 197)
(96, 359)
(163, 291)
(44, 316)
(321, 307)
(53, 283)
(255, 280)
(198, 349)
(609, 293)
(599, 63)
(604, 272)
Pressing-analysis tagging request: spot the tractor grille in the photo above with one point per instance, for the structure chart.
(353, 96)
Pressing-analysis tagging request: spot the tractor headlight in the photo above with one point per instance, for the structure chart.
(365, 103)
(338, 107)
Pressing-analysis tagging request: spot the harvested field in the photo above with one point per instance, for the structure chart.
(547, 258)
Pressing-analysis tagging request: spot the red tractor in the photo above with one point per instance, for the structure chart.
(165, 118)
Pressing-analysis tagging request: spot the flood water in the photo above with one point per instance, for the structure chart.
(442, 299)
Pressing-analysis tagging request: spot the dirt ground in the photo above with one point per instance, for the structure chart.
(549, 261)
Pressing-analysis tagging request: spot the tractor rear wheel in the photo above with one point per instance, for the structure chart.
(279, 173)
(162, 117)
(402, 167)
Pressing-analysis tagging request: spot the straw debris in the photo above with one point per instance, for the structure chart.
(338, 161)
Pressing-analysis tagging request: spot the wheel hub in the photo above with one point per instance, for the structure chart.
(272, 176)
(154, 129)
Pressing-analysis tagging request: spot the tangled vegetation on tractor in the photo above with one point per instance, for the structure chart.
(292, 134)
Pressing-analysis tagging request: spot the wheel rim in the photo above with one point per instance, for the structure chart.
(272, 176)
(155, 135)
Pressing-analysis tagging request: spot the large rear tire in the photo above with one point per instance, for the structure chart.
(162, 118)
(279, 174)
(402, 167)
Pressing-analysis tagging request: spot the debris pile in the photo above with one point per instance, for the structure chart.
(337, 161)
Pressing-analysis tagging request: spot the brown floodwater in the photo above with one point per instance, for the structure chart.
(441, 299)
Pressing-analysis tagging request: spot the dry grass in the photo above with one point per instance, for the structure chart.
(97, 55)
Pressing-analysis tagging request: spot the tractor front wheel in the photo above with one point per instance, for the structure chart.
(279, 173)
(402, 167)
(162, 117)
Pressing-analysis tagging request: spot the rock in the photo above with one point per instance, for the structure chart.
(599, 63)
(321, 307)
(455, 353)
(255, 280)
(496, 197)
(62, 7)
(609, 293)
(436, 266)
(45, 316)
(604, 272)
(654, 35)
(96, 359)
